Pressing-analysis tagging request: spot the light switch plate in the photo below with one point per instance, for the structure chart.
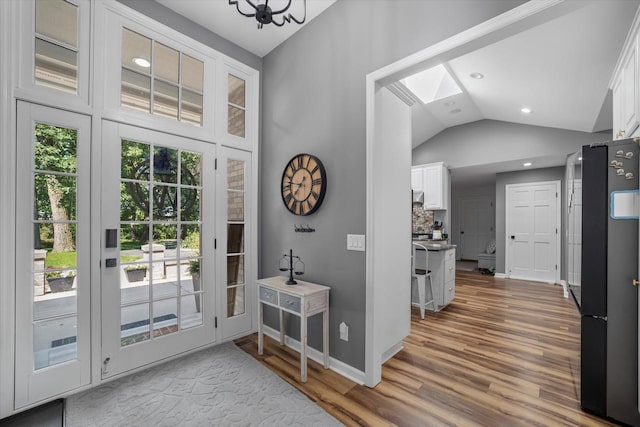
(355, 242)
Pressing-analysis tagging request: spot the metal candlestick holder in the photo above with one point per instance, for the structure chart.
(286, 263)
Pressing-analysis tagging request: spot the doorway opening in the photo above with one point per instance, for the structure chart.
(380, 82)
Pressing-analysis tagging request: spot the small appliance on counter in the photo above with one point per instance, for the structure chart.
(437, 230)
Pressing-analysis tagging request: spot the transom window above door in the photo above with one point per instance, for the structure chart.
(56, 45)
(160, 80)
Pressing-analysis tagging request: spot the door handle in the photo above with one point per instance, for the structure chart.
(111, 238)
(513, 237)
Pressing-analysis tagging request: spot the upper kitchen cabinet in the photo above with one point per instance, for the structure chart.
(434, 178)
(416, 179)
(626, 88)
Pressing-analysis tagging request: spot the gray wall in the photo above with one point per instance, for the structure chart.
(189, 28)
(314, 101)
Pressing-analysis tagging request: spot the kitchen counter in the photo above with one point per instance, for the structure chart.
(442, 263)
(436, 245)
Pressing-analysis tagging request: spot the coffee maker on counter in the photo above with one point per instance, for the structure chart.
(436, 233)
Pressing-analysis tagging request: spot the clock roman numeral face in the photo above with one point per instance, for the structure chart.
(304, 183)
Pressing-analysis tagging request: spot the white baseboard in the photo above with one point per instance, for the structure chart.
(563, 283)
(565, 288)
(392, 352)
(335, 365)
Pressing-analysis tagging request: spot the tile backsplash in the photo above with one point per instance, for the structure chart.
(422, 220)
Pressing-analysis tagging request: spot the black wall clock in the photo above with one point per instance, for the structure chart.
(304, 183)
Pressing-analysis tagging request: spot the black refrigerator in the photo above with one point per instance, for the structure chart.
(607, 298)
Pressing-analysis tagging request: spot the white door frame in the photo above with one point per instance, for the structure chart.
(33, 385)
(7, 211)
(558, 226)
(483, 34)
(239, 325)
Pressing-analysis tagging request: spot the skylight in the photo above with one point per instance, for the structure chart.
(432, 84)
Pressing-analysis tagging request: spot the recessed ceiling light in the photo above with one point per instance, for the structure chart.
(141, 62)
(476, 76)
(449, 104)
(527, 164)
(525, 110)
(455, 111)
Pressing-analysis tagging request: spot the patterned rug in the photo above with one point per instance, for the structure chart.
(219, 386)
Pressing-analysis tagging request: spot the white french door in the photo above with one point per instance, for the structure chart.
(234, 240)
(52, 253)
(158, 263)
(533, 231)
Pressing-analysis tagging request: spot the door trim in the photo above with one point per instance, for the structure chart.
(558, 226)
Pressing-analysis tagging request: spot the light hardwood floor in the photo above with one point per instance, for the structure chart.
(504, 353)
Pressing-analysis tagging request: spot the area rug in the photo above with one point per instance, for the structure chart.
(219, 386)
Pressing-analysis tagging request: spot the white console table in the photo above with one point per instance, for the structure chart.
(304, 300)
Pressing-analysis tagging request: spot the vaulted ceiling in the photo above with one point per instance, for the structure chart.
(559, 69)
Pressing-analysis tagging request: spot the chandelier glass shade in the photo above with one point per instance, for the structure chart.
(265, 14)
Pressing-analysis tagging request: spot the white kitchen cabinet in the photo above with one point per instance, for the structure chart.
(432, 187)
(416, 179)
(625, 87)
(435, 184)
(442, 264)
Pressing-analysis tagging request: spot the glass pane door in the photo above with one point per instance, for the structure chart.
(160, 192)
(52, 253)
(164, 300)
(234, 178)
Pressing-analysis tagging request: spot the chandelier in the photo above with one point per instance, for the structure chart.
(264, 14)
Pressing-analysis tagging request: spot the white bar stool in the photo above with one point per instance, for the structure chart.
(421, 276)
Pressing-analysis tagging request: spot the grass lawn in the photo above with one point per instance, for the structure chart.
(60, 260)
(68, 259)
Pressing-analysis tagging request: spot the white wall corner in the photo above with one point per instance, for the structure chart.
(8, 51)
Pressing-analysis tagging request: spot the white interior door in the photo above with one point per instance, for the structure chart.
(476, 226)
(52, 253)
(533, 227)
(157, 267)
(234, 237)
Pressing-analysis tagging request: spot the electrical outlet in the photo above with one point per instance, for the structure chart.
(344, 332)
